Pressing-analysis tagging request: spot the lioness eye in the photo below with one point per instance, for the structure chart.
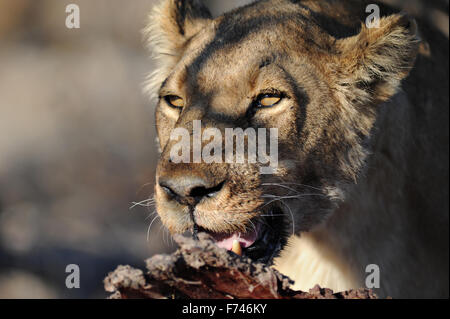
(174, 101)
(268, 100)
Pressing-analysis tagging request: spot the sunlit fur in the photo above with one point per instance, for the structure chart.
(363, 177)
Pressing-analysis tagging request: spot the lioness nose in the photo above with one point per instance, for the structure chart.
(189, 190)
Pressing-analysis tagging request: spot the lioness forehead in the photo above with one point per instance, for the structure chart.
(226, 59)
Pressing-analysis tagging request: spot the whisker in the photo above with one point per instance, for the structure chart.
(299, 184)
(150, 227)
(290, 197)
(171, 239)
(266, 204)
(253, 226)
(280, 199)
(292, 216)
(163, 229)
(145, 203)
(149, 216)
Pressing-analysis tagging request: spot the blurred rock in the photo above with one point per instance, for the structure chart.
(23, 285)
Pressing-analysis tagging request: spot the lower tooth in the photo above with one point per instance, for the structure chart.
(237, 249)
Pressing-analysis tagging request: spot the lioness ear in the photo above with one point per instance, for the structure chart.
(171, 24)
(372, 64)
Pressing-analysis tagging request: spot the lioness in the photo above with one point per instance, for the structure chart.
(362, 118)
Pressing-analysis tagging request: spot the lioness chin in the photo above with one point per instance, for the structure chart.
(362, 119)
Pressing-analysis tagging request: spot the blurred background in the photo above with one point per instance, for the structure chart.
(77, 142)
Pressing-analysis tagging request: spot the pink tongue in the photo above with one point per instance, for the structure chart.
(245, 239)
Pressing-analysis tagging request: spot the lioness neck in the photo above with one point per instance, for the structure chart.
(375, 225)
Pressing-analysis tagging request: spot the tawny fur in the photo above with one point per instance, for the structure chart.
(363, 133)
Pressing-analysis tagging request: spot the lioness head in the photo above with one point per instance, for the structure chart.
(268, 65)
